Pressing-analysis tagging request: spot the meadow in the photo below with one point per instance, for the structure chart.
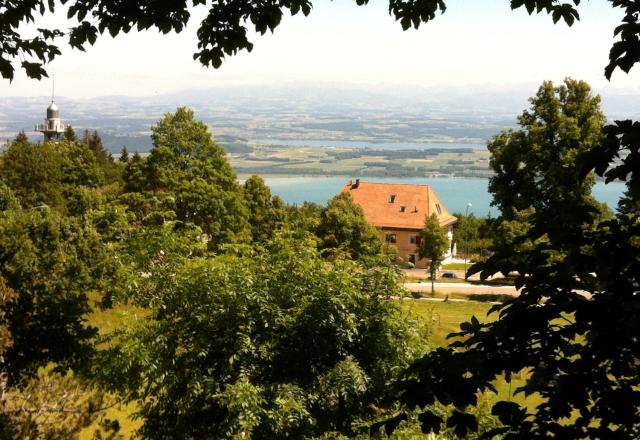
(349, 161)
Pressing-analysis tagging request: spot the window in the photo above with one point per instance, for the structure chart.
(392, 198)
(413, 239)
(403, 208)
(390, 238)
(438, 208)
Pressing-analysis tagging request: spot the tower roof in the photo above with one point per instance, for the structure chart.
(53, 112)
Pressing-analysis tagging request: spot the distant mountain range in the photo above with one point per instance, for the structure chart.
(240, 115)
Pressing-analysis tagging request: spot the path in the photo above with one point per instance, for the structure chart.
(466, 288)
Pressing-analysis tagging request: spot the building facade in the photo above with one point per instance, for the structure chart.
(399, 212)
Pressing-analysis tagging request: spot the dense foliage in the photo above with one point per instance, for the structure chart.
(186, 164)
(572, 329)
(49, 174)
(49, 262)
(272, 343)
(267, 213)
(343, 227)
(282, 344)
(473, 235)
(257, 315)
(537, 166)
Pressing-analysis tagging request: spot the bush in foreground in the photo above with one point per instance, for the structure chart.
(281, 345)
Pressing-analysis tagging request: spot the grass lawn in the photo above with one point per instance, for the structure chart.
(445, 318)
(428, 280)
(455, 266)
(107, 321)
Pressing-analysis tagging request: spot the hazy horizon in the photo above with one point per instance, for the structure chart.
(304, 111)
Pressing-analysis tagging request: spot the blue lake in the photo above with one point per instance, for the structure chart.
(455, 193)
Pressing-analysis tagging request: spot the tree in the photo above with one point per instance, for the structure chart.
(50, 262)
(93, 141)
(135, 174)
(69, 134)
(8, 200)
(48, 173)
(473, 234)
(124, 155)
(344, 227)
(112, 171)
(434, 244)
(266, 212)
(537, 169)
(32, 176)
(304, 219)
(537, 166)
(224, 31)
(282, 344)
(78, 165)
(185, 162)
(572, 328)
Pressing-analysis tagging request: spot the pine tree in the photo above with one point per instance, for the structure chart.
(69, 134)
(124, 155)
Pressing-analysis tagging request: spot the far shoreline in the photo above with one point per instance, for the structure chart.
(245, 176)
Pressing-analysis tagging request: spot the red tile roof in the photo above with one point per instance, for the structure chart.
(383, 204)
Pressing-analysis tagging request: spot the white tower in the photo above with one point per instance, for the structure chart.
(53, 126)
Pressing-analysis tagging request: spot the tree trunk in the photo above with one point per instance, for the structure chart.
(433, 278)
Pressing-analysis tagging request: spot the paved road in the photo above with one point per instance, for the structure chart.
(466, 288)
(422, 274)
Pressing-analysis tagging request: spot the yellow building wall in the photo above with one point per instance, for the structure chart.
(406, 249)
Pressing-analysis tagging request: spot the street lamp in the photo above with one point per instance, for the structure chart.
(466, 241)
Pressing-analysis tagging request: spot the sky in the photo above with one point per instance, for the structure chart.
(474, 43)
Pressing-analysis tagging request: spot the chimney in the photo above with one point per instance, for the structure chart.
(357, 184)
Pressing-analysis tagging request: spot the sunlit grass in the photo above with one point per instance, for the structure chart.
(123, 413)
(108, 321)
(445, 318)
(455, 266)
